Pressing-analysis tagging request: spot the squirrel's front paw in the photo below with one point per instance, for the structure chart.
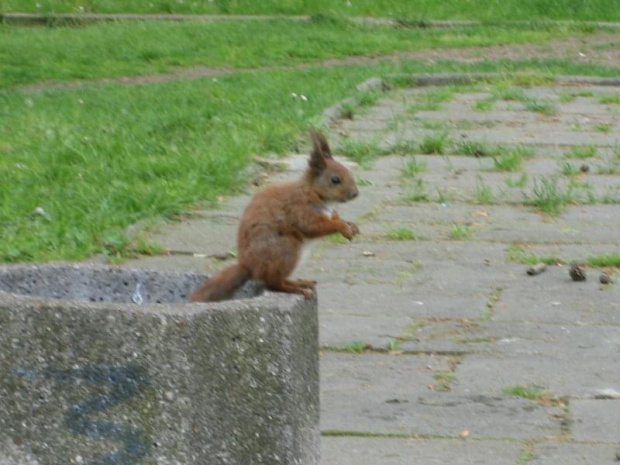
(350, 230)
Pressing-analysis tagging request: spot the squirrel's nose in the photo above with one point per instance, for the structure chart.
(353, 193)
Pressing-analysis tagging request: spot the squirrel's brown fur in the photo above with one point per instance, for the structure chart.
(277, 222)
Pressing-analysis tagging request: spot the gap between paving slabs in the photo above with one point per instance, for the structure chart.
(86, 18)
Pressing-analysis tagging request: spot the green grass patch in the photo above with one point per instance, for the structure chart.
(443, 380)
(521, 181)
(401, 234)
(518, 253)
(604, 261)
(355, 347)
(486, 104)
(581, 152)
(97, 160)
(412, 13)
(604, 128)
(403, 147)
(108, 50)
(549, 197)
(611, 168)
(484, 194)
(439, 95)
(337, 239)
(510, 94)
(435, 144)
(510, 158)
(489, 310)
(423, 106)
(435, 125)
(567, 97)
(613, 99)
(570, 170)
(360, 151)
(537, 393)
(412, 167)
(472, 149)
(460, 232)
(416, 193)
(541, 106)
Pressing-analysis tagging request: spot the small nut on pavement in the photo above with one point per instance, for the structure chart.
(536, 269)
(584, 168)
(465, 434)
(604, 278)
(577, 273)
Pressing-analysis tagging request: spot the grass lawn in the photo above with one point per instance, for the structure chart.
(79, 166)
(109, 50)
(602, 10)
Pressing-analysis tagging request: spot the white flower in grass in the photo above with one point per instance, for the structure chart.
(293, 94)
(41, 212)
(303, 97)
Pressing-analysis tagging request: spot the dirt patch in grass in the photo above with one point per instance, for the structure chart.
(583, 50)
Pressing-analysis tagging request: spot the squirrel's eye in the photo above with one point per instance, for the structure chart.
(335, 180)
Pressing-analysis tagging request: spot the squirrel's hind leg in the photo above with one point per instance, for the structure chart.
(290, 287)
(304, 283)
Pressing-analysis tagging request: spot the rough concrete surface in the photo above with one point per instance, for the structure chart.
(107, 365)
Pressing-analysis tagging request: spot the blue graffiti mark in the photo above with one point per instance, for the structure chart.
(126, 382)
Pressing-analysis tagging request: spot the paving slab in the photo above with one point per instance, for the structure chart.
(595, 420)
(339, 331)
(394, 451)
(200, 235)
(554, 298)
(391, 377)
(573, 454)
(392, 300)
(562, 374)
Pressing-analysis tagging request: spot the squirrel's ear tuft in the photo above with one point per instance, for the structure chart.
(320, 151)
(320, 145)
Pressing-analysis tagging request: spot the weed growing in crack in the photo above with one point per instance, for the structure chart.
(531, 392)
(356, 347)
(569, 170)
(459, 232)
(521, 181)
(403, 147)
(486, 104)
(518, 253)
(484, 194)
(436, 144)
(417, 193)
(543, 107)
(604, 261)
(489, 311)
(548, 197)
(401, 234)
(412, 167)
(581, 152)
(613, 99)
(362, 152)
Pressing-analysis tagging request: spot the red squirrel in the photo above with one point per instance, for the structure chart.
(279, 221)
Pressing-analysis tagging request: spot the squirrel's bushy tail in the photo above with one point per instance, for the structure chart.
(222, 286)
